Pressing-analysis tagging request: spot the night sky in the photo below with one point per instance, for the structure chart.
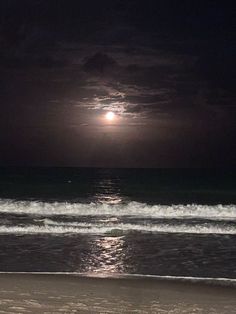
(166, 69)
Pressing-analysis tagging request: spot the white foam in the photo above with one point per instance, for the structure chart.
(130, 209)
(118, 229)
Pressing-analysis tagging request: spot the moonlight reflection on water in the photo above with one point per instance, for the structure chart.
(106, 256)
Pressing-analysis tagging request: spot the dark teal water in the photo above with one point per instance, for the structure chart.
(153, 186)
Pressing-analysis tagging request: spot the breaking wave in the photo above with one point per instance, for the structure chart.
(120, 219)
(130, 209)
(118, 230)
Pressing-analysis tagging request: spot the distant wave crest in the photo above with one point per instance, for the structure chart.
(129, 209)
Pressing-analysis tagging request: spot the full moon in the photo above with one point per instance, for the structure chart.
(110, 116)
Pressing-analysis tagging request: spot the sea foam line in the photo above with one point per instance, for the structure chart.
(129, 209)
(116, 230)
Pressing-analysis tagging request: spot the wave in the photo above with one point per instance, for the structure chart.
(79, 218)
(51, 227)
(129, 209)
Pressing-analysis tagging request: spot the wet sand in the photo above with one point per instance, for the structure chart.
(29, 293)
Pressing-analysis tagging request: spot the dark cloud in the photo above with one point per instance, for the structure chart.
(100, 64)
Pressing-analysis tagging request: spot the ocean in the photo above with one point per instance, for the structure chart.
(178, 223)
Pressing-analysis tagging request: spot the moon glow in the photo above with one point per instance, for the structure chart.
(110, 116)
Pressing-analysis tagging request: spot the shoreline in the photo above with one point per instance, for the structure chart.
(209, 281)
(71, 293)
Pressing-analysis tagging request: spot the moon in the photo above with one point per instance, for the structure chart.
(110, 116)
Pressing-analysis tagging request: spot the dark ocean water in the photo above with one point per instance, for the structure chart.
(119, 221)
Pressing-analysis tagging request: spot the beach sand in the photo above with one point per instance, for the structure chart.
(29, 293)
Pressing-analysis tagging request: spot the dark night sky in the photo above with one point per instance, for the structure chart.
(165, 68)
